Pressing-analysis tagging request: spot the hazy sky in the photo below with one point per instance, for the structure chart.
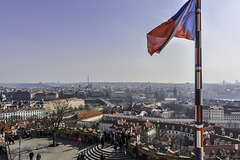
(67, 40)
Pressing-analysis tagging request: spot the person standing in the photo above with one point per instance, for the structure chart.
(125, 148)
(79, 157)
(38, 156)
(135, 152)
(82, 155)
(102, 141)
(102, 156)
(115, 147)
(2, 139)
(79, 142)
(30, 134)
(97, 139)
(31, 154)
(121, 145)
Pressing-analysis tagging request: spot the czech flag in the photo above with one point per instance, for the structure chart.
(181, 25)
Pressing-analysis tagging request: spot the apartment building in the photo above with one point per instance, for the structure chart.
(213, 112)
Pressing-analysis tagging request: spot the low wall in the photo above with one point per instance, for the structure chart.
(144, 153)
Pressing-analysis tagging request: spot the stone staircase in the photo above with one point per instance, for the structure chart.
(94, 152)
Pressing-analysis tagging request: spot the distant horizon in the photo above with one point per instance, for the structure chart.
(116, 82)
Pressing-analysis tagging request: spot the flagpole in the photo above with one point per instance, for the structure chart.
(198, 86)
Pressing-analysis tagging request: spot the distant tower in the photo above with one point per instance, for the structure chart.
(174, 92)
(88, 80)
(89, 85)
(149, 84)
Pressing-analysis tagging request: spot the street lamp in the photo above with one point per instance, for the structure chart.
(20, 140)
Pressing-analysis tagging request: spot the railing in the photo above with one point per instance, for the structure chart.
(153, 119)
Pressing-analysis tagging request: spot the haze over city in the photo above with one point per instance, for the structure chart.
(59, 40)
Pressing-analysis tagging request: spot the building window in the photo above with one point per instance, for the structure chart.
(166, 126)
(181, 129)
(191, 130)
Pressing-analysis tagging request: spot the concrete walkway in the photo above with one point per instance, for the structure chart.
(66, 150)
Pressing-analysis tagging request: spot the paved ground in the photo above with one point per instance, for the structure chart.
(66, 150)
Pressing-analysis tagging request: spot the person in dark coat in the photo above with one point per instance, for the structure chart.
(79, 143)
(38, 156)
(79, 157)
(135, 152)
(1, 149)
(82, 155)
(31, 154)
(125, 148)
(121, 145)
(97, 139)
(102, 141)
(115, 147)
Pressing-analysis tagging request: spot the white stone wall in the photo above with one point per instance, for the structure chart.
(23, 114)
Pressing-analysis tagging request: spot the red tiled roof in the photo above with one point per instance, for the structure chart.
(212, 151)
(137, 128)
(121, 122)
(7, 126)
(148, 124)
(226, 139)
(89, 114)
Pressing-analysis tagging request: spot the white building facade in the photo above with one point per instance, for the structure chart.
(213, 113)
(22, 113)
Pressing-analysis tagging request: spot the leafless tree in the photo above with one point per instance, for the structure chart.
(55, 118)
(178, 142)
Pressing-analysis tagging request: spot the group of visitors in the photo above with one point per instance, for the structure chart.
(11, 137)
(88, 140)
(31, 154)
(120, 140)
(100, 138)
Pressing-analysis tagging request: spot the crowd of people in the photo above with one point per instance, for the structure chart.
(118, 140)
(11, 137)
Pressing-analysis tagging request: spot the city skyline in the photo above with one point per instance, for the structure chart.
(51, 41)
